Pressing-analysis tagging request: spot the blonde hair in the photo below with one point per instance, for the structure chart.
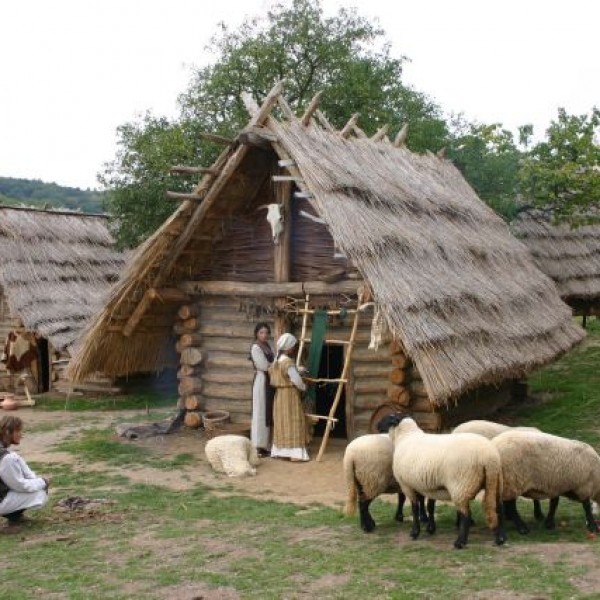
(8, 425)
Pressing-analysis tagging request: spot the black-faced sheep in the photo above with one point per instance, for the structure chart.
(489, 430)
(368, 474)
(232, 454)
(539, 465)
(447, 467)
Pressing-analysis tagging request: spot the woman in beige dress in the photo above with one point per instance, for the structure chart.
(289, 422)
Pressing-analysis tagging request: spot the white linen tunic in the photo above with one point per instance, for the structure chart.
(27, 490)
(259, 432)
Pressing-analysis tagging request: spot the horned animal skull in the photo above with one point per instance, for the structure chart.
(275, 218)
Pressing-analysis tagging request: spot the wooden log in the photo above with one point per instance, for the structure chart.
(192, 420)
(257, 290)
(227, 329)
(282, 256)
(185, 327)
(181, 196)
(168, 295)
(398, 394)
(367, 402)
(259, 137)
(188, 371)
(379, 369)
(234, 346)
(242, 408)
(429, 421)
(364, 355)
(227, 377)
(371, 386)
(187, 311)
(381, 132)
(400, 361)
(324, 122)
(227, 392)
(397, 376)
(396, 347)
(311, 108)
(186, 170)
(316, 288)
(347, 129)
(225, 360)
(192, 402)
(400, 138)
(217, 139)
(191, 356)
(189, 386)
(417, 388)
(190, 340)
(420, 404)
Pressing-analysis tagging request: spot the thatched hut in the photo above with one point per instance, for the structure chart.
(569, 255)
(463, 301)
(56, 268)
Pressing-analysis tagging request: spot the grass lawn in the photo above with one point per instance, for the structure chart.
(156, 542)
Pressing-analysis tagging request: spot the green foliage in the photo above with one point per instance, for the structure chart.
(489, 159)
(343, 55)
(129, 402)
(34, 192)
(563, 171)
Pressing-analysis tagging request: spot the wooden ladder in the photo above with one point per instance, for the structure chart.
(343, 379)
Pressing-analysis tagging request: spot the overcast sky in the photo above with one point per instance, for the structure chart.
(72, 71)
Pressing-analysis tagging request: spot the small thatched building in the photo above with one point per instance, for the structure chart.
(464, 303)
(56, 268)
(569, 255)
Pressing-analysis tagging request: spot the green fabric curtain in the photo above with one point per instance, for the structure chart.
(319, 331)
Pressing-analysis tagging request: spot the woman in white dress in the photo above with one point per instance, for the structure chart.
(20, 487)
(262, 357)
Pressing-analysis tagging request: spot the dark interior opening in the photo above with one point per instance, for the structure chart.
(43, 365)
(332, 363)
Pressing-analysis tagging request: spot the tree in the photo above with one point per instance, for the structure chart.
(563, 171)
(489, 159)
(344, 55)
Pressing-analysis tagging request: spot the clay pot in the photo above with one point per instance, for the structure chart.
(9, 402)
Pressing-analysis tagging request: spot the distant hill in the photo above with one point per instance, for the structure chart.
(34, 192)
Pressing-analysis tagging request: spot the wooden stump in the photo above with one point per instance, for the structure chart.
(189, 386)
(191, 356)
(192, 419)
(397, 376)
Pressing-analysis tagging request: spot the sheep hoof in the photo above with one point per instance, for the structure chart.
(368, 527)
(500, 538)
(431, 528)
(400, 518)
(459, 544)
(550, 525)
(523, 529)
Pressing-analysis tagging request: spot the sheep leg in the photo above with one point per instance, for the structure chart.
(399, 511)
(549, 522)
(457, 522)
(367, 524)
(422, 512)
(592, 526)
(431, 526)
(416, 526)
(463, 529)
(500, 531)
(538, 514)
(510, 508)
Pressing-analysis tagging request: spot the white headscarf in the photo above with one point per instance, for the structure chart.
(286, 342)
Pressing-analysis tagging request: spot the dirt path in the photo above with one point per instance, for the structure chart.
(302, 483)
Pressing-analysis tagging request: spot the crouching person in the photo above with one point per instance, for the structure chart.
(20, 487)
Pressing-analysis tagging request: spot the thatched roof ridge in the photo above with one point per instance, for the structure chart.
(56, 268)
(569, 255)
(458, 290)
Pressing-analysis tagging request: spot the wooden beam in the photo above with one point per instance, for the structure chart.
(400, 138)
(286, 108)
(347, 129)
(381, 132)
(283, 178)
(183, 169)
(257, 136)
(168, 295)
(359, 132)
(282, 257)
(179, 196)
(324, 121)
(251, 289)
(217, 139)
(311, 108)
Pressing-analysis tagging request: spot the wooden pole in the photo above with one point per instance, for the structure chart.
(282, 258)
(312, 107)
(347, 129)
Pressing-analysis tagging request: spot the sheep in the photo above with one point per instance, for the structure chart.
(447, 467)
(368, 474)
(539, 465)
(490, 430)
(232, 454)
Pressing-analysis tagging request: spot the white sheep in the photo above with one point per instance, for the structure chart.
(368, 473)
(539, 465)
(489, 430)
(447, 467)
(232, 454)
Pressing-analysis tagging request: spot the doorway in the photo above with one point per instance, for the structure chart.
(43, 360)
(332, 363)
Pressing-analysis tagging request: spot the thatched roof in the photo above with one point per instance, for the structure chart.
(55, 269)
(458, 290)
(569, 255)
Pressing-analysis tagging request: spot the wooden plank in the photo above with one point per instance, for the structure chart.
(311, 108)
(180, 196)
(241, 288)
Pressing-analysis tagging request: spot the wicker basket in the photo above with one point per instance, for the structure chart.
(215, 418)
